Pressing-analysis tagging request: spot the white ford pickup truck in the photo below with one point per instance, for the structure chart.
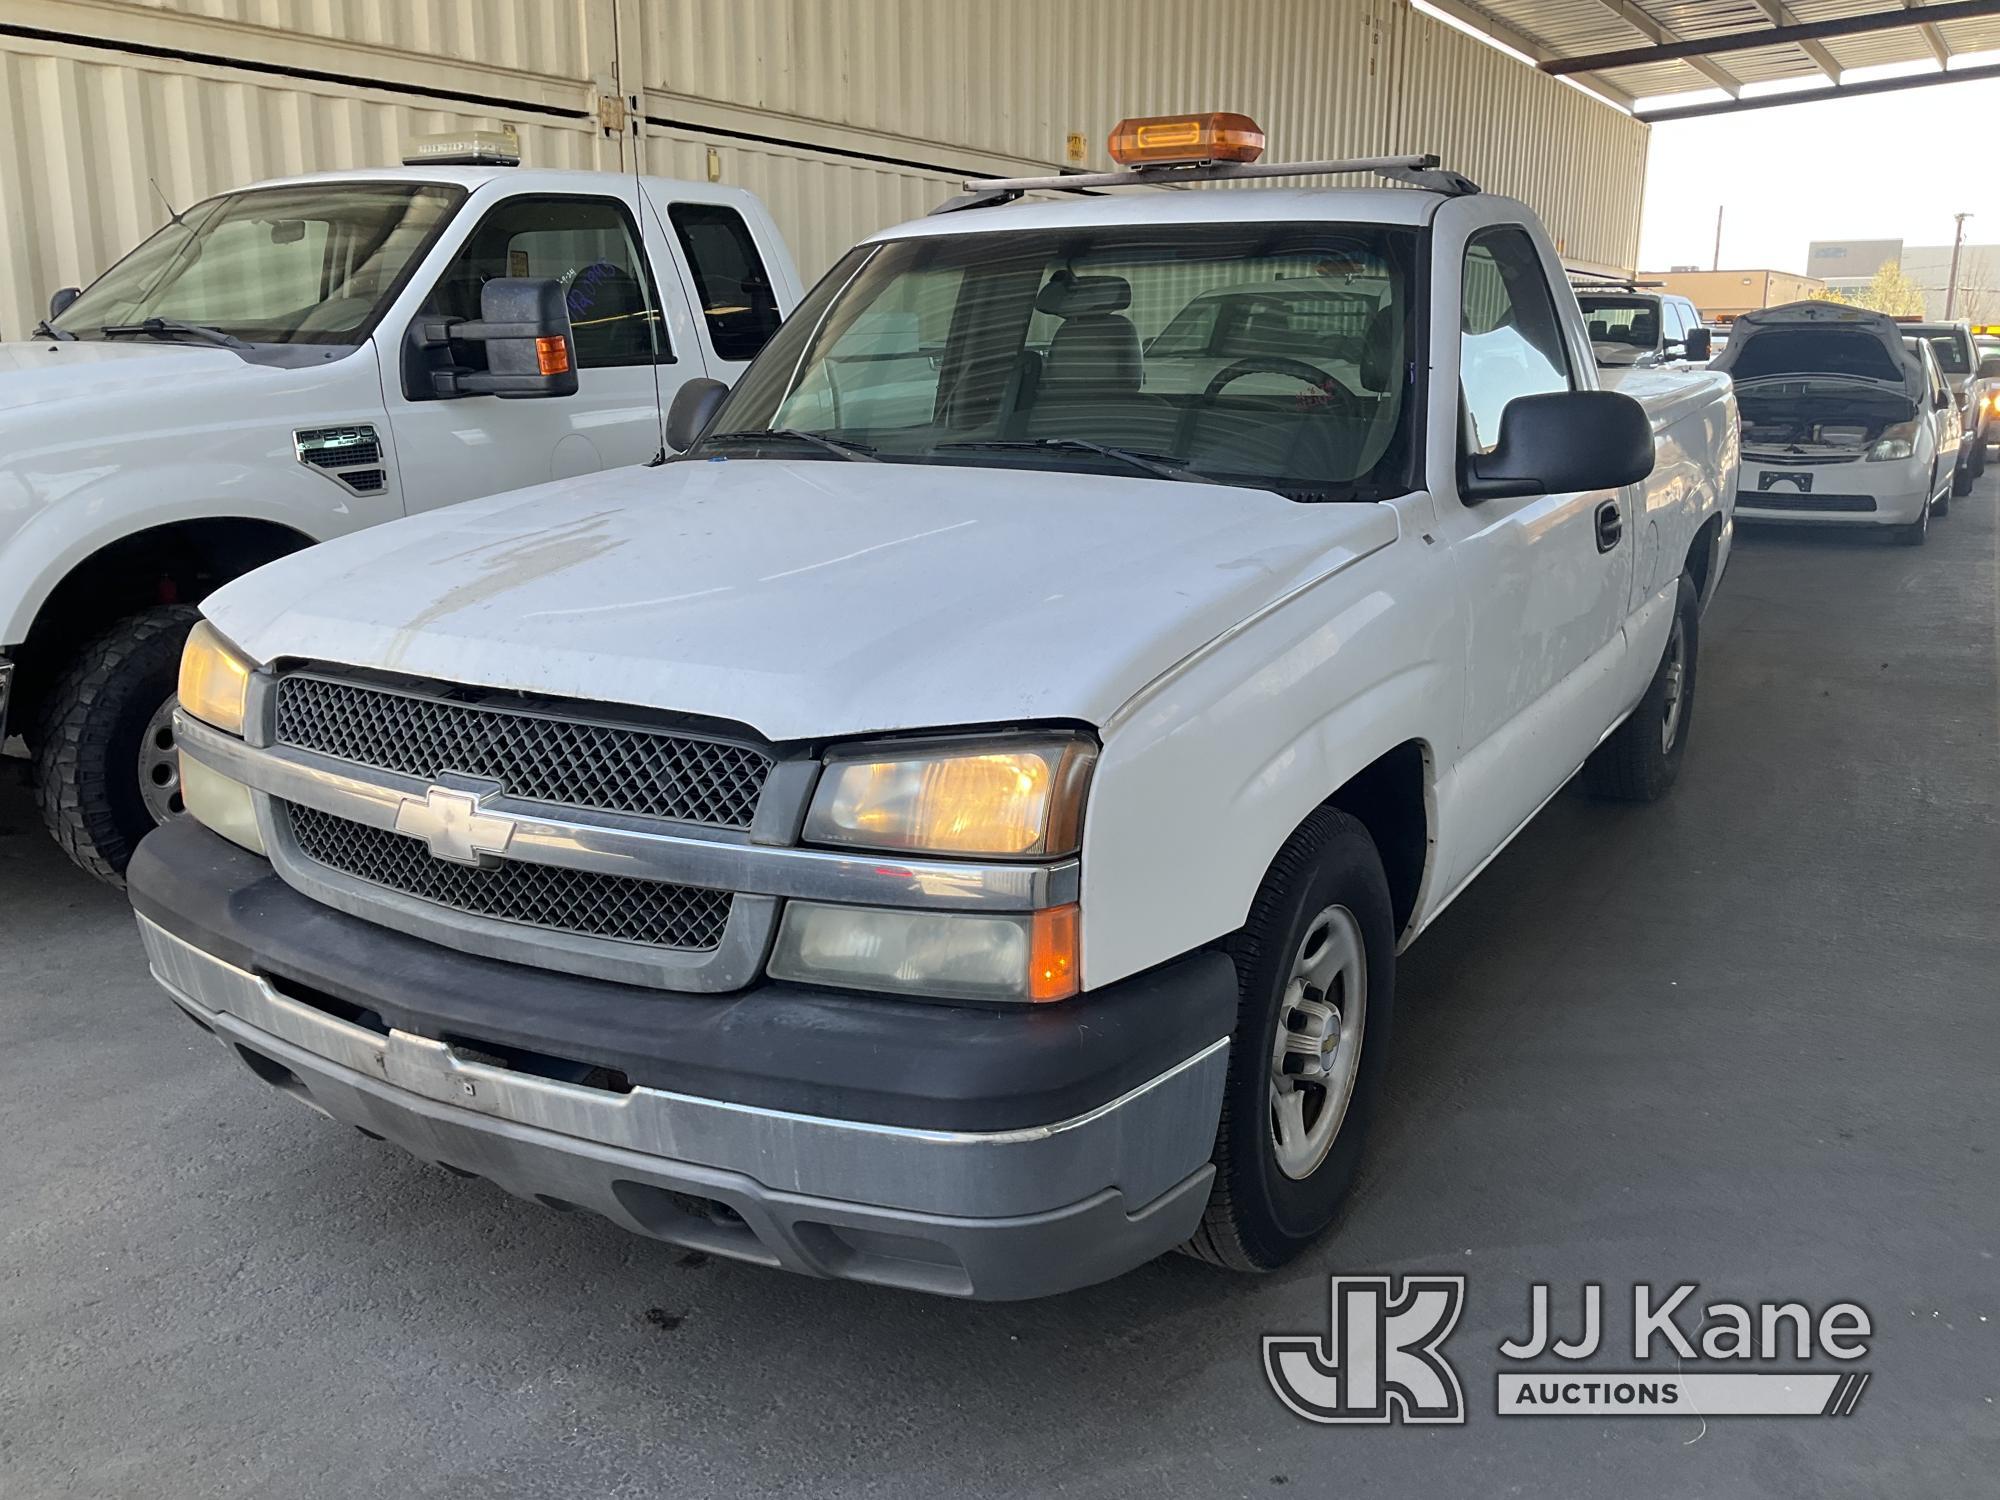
(954, 826)
(299, 359)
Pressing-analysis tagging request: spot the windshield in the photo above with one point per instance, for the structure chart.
(1270, 355)
(1630, 321)
(1952, 349)
(313, 264)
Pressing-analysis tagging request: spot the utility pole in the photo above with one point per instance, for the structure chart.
(1716, 263)
(1951, 281)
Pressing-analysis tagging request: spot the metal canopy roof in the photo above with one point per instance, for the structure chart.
(1628, 50)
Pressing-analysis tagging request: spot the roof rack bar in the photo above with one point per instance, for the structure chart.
(1417, 171)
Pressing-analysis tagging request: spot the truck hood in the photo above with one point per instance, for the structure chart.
(45, 371)
(806, 599)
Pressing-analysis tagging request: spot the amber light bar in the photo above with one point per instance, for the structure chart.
(1159, 140)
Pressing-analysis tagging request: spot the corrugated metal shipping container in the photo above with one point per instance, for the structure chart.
(846, 115)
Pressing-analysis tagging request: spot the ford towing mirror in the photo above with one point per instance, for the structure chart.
(694, 407)
(1989, 367)
(1559, 443)
(524, 324)
(1699, 344)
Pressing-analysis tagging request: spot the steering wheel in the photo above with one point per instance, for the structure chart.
(1278, 364)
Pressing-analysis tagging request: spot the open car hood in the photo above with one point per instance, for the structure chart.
(1821, 340)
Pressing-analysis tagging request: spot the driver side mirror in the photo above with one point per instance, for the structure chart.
(1559, 443)
(524, 324)
(1699, 345)
(59, 303)
(694, 407)
(1989, 367)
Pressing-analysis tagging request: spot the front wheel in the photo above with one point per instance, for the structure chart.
(1917, 531)
(106, 769)
(1642, 759)
(1316, 978)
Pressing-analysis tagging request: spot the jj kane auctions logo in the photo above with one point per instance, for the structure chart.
(1382, 1358)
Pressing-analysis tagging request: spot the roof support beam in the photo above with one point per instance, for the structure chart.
(1662, 39)
(1532, 48)
(1933, 36)
(1824, 60)
(1814, 96)
(1677, 49)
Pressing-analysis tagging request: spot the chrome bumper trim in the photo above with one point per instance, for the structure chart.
(610, 845)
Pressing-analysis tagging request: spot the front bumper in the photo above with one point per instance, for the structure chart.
(1014, 1156)
(1847, 494)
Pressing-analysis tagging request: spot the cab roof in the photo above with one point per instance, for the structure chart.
(520, 178)
(1138, 206)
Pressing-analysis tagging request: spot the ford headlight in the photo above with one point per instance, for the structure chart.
(1008, 798)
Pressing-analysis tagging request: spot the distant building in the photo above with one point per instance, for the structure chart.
(1849, 265)
(1723, 295)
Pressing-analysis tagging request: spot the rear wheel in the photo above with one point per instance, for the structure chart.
(1315, 970)
(106, 768)
(1642, 759)
(1961, 480)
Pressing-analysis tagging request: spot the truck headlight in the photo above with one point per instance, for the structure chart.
(215, 679)
(994, 797)
(1895, 442)
(1016, 957)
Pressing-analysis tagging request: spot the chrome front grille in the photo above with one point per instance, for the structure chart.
(621, 768)
(581, 902)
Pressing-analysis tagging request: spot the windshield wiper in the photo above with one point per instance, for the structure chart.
(170, 329)
(842, 446)
(47, 330)
(1159, 468)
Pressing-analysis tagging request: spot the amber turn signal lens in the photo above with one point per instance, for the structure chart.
(1052, 955)
(552, 354)
(1181, 139)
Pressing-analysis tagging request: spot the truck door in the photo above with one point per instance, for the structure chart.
(741, 298)
(1544, 578)
(463, 447)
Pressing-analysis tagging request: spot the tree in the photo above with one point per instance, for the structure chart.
(1893, 293)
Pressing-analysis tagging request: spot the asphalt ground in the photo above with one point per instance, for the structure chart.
(1747, 1037)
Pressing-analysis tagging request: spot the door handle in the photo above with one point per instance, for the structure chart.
(1609, 526)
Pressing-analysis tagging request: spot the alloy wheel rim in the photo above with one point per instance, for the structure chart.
(160, 766)
(1316, 1053)
(1670, 714)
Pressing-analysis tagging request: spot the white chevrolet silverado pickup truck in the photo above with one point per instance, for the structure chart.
(299, 359)
(954, 827)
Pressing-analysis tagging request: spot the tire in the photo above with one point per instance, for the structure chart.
(1961, 481)
(1642, 759)
(1327, 882)
(1917, 531)
(1978, 465)
(87, 743)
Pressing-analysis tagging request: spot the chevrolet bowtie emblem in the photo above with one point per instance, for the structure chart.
(453, 825)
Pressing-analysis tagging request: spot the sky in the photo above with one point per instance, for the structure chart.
(1884, 166)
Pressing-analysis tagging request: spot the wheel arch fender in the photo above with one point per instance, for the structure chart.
(1198, 791)
(60, 537)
